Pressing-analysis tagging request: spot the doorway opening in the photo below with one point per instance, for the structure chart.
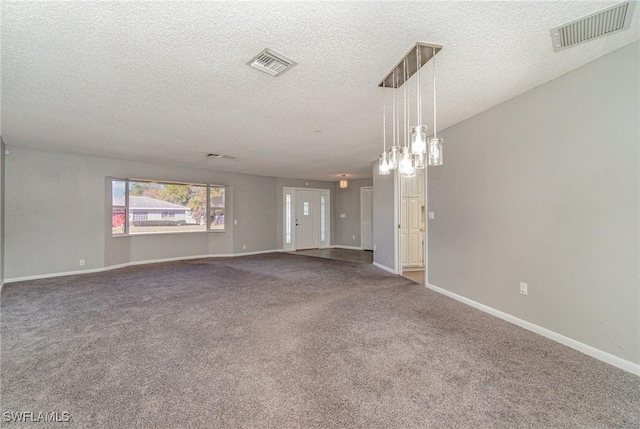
(412, 227)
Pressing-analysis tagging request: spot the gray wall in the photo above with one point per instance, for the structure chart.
(57, 212)
(544, 189)
(384, 224)
(348, 203)
(2, 155)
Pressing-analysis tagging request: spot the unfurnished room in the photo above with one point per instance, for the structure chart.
(316, 214)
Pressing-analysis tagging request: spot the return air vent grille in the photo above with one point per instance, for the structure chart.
(602, 23)
(271, 63)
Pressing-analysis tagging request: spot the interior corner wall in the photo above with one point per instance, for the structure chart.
(348, 204)
(384, 222)
(57, 212)
(544, 189)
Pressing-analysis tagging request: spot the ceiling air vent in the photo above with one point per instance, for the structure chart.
(272, 63)
(602, 23)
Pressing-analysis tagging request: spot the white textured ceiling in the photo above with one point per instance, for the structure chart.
(168, 81)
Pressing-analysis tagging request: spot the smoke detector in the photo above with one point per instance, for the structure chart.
(607, 21)
(271, 62)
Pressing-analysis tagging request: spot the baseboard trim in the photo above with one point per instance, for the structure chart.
(132, 263)
(384, 267)
(603, 356)
(337, 246)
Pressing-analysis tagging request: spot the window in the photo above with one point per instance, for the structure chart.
(216, 208)
(323, 226)
(118, 207)
(140, 207)
(288, 218)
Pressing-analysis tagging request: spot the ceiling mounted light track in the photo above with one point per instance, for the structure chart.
(395, 78)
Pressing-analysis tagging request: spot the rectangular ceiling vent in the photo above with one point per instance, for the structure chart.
(598, 24)
(271, 63)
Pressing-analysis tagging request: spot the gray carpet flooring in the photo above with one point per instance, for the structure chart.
(287, 341)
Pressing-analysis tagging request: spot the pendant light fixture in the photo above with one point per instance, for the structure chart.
(415, 149)
(419, 132)
(394, 150)
(343, 182)
(383, 164)
(406, 159)
(435, 144)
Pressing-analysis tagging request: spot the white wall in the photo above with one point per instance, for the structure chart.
(544, 189)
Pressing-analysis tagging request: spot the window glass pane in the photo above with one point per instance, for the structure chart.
(288, 218)
(118, 188)
(163, 207)
(118, 220)
(306, 208)
(216, 202)
(322, 218)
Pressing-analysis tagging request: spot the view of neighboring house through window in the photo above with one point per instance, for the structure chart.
(216, 211)
(118, 207)
(153, 207)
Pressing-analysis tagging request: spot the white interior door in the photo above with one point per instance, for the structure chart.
(366, 218)
(306, 221)
(410, 233)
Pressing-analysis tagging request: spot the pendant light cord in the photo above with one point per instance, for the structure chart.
(435, 128)
(405, 106)
(384, 117)
(419, 97)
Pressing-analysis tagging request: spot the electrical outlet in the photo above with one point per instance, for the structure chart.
(374, 247)
(82, 262)
(244, 247)
(354, 236)
(523, 289)
(235, 221)
(432, 215)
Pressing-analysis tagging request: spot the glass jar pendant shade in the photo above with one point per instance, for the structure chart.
(383, 165)
(394, 157)
(418, 161)
(435, 151)
(406, 163)
(419, 139)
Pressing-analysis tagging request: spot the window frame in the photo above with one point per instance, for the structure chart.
(127, 211)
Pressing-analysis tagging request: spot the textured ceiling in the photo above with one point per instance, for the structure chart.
(168, 81)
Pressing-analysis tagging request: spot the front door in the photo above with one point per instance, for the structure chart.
(307, 215)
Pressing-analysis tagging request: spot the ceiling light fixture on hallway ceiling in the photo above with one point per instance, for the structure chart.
(343, 182)
(410, 155)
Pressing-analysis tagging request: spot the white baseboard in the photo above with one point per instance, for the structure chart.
(559, 338)
(337, 246)
(128, 264)
(384, 267)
